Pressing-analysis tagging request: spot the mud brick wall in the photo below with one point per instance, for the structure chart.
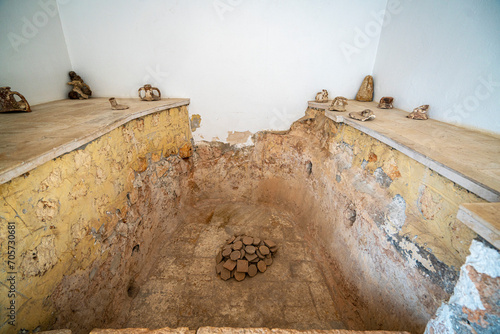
(80, 231)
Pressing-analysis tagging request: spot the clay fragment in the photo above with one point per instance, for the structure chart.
(365, 115)
(252, 270)
(268, 261)
(219, 267)
(218, 258)
(365, 92)
(270, 243)
(237, 245)
(386, 102)
(264, 250)
(261, 265)
(226, 252)
(239, 276)
(259, 254)
(115, 105)
(338, 104)
(250, 249)
(80, 90)
(322, 96)
(230, 264)
(247, 240)
(251, 257)
(230, 240)
(9, 103)
(273, 249)
(242, 266)
(420, 112)
(149, 93)
(256, 241)
(235, 255)
(242, 252)
(225, 274)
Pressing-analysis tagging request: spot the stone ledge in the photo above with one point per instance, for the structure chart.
(468, 158)
(482, 218)
(231, 330)
(28, 140)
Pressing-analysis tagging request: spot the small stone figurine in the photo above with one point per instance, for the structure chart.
(116, 106)
(365, 115)
(322, 96)
(8, 101)
(80, 91)
(420, 112)
(338, 104)
(365, 92)
(149, 94)
(386, 102)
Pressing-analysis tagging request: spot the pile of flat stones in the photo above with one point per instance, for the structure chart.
(243, 255)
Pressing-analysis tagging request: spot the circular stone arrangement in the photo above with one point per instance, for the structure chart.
(243, 255)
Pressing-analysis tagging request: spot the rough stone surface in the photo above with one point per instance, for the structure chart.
(474, 306)
(365, 92)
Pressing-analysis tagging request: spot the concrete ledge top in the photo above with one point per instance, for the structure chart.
(482, 218)
(467, 157)
(28, 140)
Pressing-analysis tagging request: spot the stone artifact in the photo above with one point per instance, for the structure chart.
(80, 89)
(338, 104)
(420, 112)
(365, 115)
(365, 92)
(244, 255)
(8, 101)
(322, 96)
(149, 93)
(115, 105)
(386, 102)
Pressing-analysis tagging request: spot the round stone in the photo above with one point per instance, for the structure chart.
(250, 249)
(259, 254)
(226, 252)
(256, 241)
(237, 245)
(247, 240)
(252, 270)
(235, 255)
(264, 250)
(261, 265)
(239, 276)
(268, 261)
(225, 274)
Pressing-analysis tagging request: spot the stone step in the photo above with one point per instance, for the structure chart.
(221, 330)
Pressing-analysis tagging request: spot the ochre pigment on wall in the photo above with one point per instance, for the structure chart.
(70, 214)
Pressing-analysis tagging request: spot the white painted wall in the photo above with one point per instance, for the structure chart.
(246, 65)
(33, 53)
(445, 54)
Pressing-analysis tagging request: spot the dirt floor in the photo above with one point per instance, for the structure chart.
(183, 289)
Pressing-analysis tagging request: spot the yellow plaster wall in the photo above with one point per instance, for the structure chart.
(64, 209)
(432, 200)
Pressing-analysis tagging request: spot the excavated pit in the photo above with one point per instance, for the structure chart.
(335, 267)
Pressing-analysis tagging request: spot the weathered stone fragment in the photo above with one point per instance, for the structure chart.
(242, 266)
(261, 265)
(365, 92)
(230, 264)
